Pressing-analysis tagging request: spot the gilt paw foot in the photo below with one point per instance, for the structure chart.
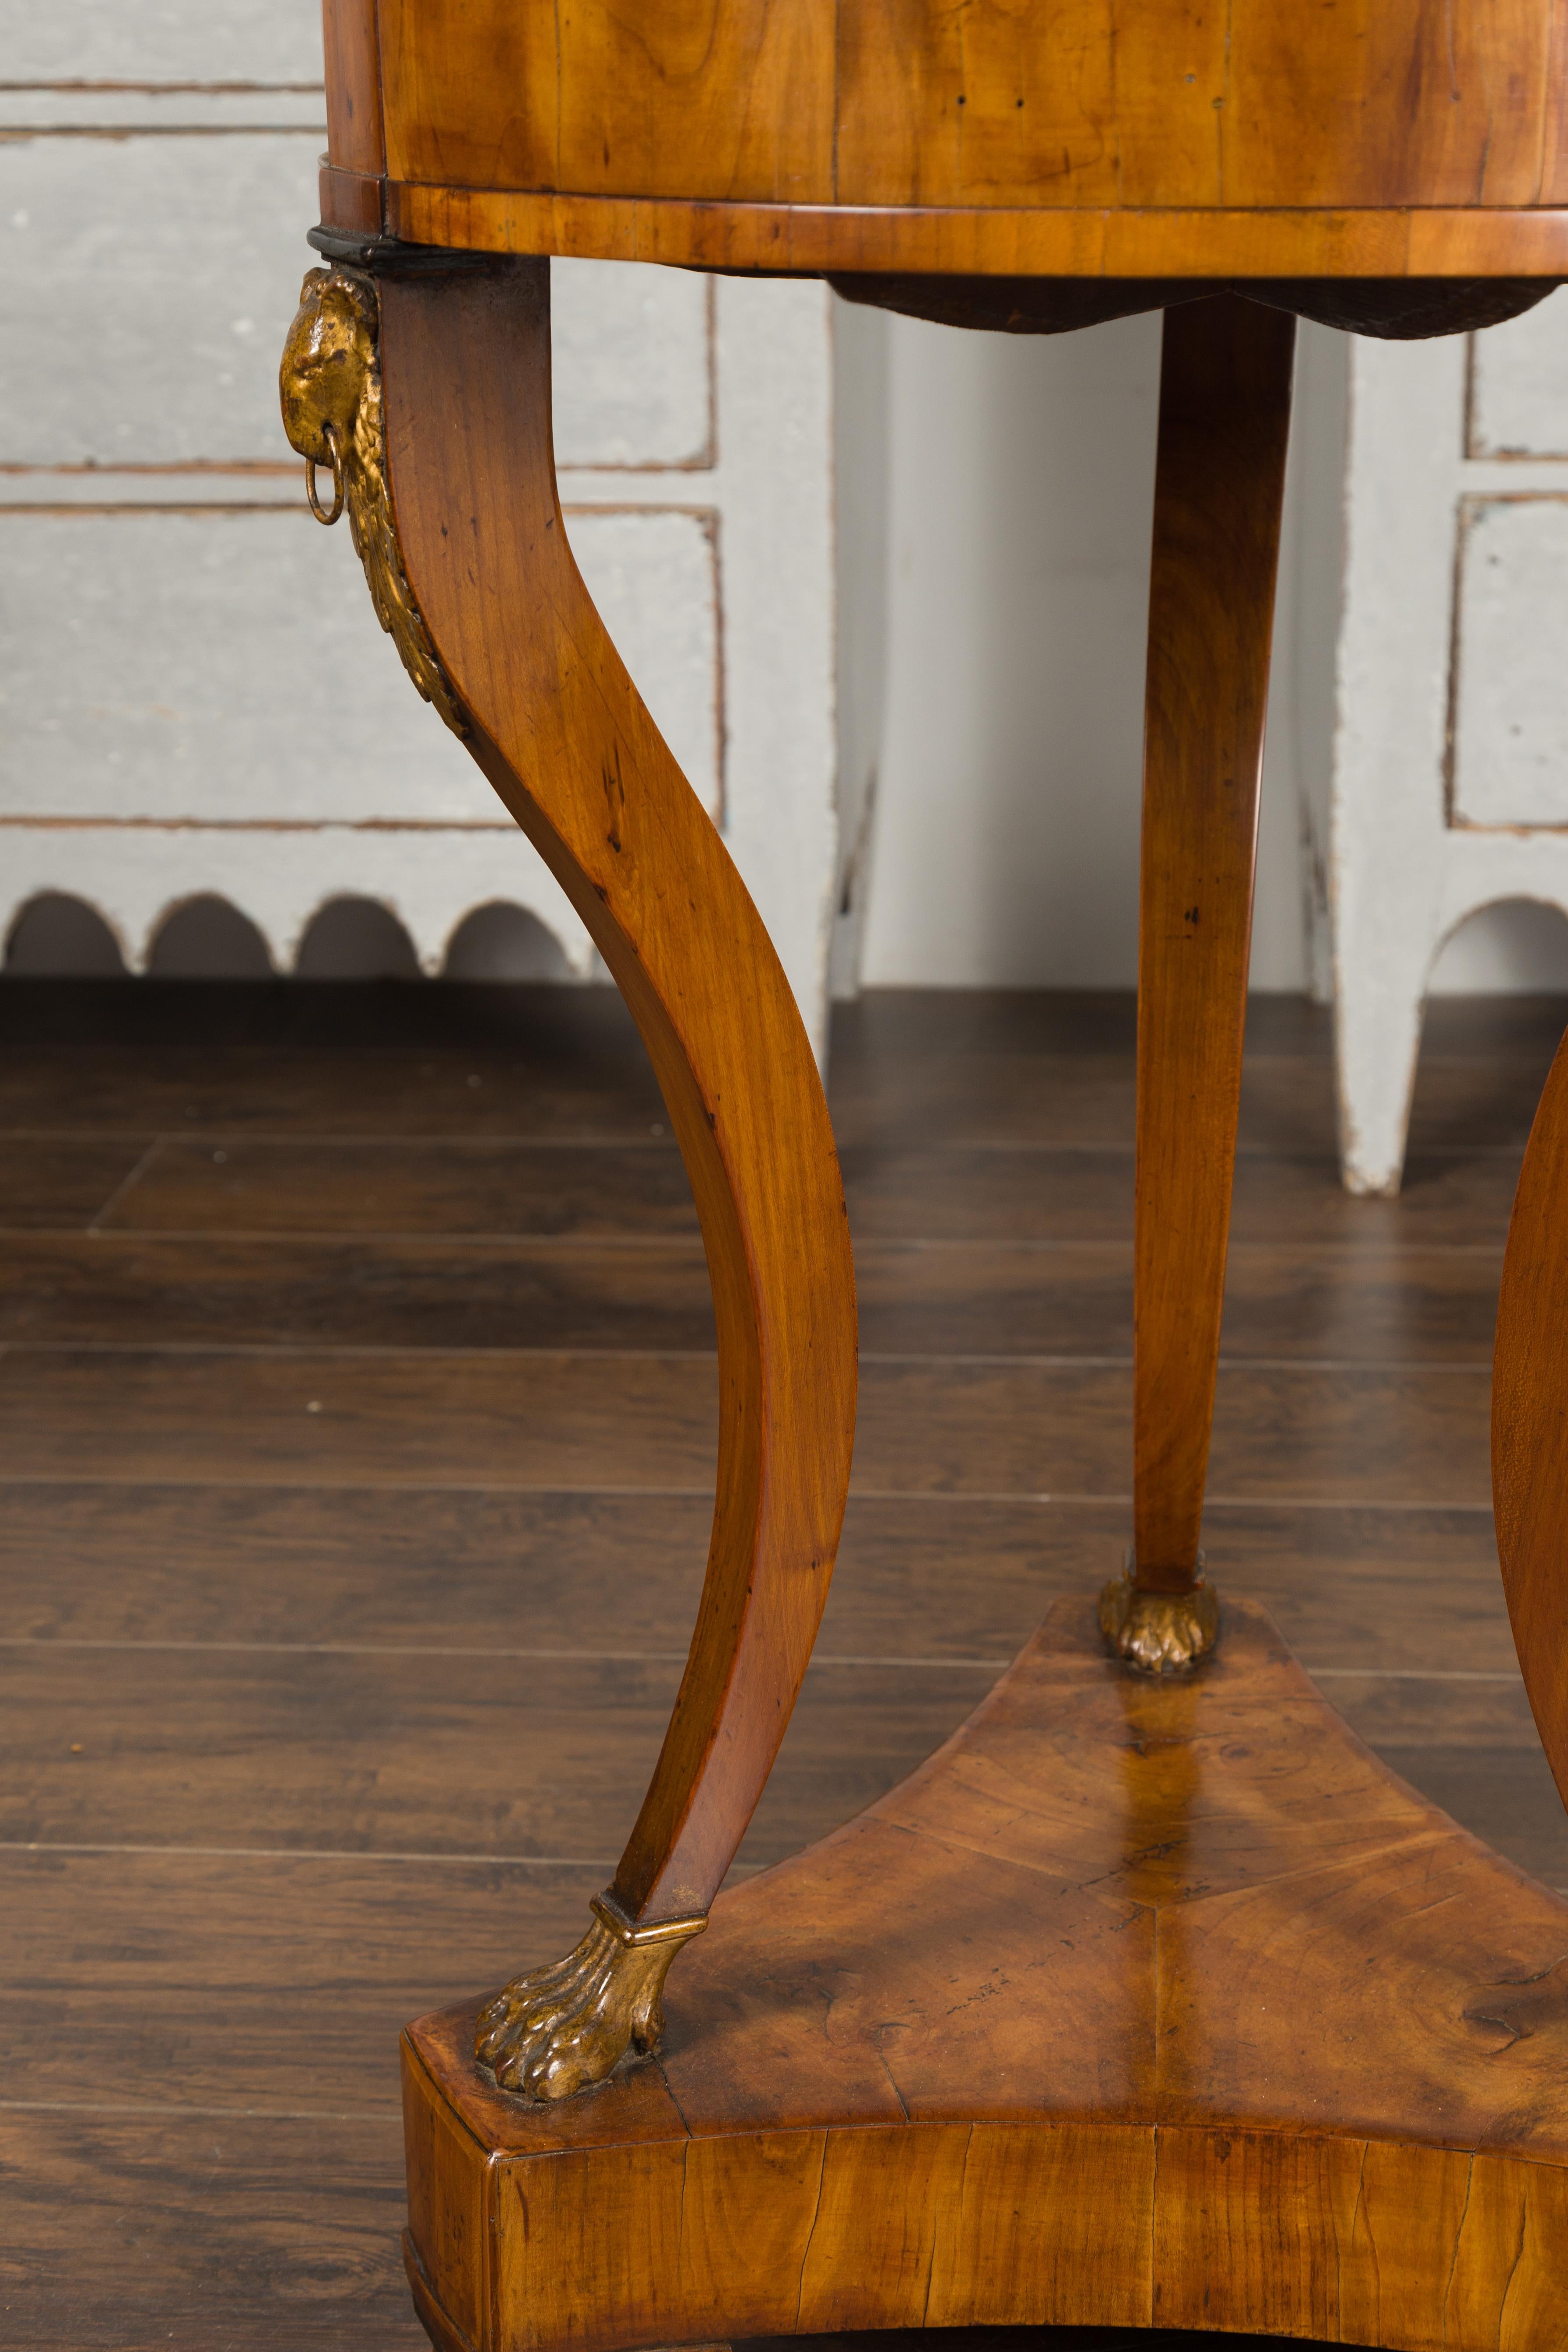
(561, 2028)
(1159, 1633)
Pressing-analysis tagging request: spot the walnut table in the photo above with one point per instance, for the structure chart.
(1151, 2000)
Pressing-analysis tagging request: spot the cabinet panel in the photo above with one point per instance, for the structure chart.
(209, 665)
(1519, 386)
(224, 667)
(1510, 687)
(162, 40)
(185, 256)
(632, 367)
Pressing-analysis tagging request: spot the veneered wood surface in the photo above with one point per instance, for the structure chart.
(564, 736)
(354, 135)
(915, 2074)
(677, 98)
(902, 104)
(1264, 105)
(1408, 137)
(1435, 241)
(1219, 484)
(1530, 1420)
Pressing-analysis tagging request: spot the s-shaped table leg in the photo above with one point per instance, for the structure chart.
(422, 381)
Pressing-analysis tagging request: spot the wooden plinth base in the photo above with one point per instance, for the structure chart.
(1140, 2004)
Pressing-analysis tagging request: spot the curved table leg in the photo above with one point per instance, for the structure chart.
(1530, 1420)
(428, 395)
(1225, 414)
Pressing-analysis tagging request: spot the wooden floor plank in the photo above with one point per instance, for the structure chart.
(1044, 1099)
(966, 1191)
(926, 1577)
(1282, 1300)
(1414, 1434)
(248, 1184)
(177, 1993)
(202, 2233)
(405, 1753)
(63, 1180)
(328, 1417)
(119, 1288)
(364, 1753)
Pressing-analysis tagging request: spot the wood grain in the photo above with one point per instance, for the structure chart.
(1361, 1433)
(933, 2055)
(561, 732)
(1219, 484)
(354, 139)
(64, 1180)
(250, 1185)
(1344, 1305)
(1530, 1420)
(1047, 241)
(461, 1060)
(895, 134)
(960, 1191)
(1027, 1095)
(362, 1753)
(994, 105)
(176, 1997)
(379, 1293)
(666, 97)
(486, 1570)
(204, 2230)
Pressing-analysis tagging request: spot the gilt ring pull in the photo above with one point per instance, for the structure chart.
(330, 434)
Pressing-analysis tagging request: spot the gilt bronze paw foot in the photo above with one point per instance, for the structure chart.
(560, 2028)
(1159, 1633)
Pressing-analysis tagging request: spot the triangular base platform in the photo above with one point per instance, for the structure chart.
(1140, 2004)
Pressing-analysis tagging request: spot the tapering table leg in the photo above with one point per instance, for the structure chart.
(1225, 410)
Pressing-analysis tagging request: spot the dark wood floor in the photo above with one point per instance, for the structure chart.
(357, 1431)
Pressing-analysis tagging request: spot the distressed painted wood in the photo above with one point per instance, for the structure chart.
(1451, 709)
(921, 2073)
(1517, 409)
(199, 701)
(1510, 745)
